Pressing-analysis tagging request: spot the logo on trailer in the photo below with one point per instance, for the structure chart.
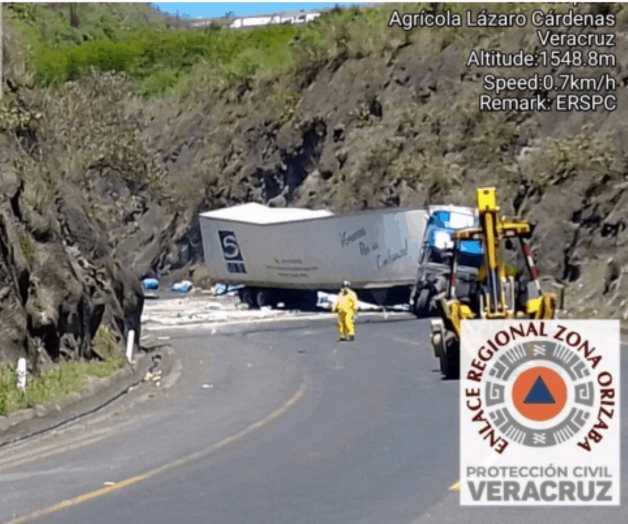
(231, 252)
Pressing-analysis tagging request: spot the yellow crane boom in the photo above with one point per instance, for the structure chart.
(497, 283)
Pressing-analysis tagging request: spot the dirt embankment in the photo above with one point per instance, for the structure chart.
(99, 188)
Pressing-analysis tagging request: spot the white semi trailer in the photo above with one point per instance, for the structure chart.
(287, 254)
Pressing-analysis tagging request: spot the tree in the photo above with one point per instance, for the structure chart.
(74, 18)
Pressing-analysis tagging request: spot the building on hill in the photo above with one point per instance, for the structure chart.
(299, 17)
(243, 22)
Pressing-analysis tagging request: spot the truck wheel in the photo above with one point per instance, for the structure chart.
(263, 298)
(422, 303)
(247, 296)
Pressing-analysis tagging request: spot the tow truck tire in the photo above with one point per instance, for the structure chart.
(450, 361)
(449, 367)
(422, 303)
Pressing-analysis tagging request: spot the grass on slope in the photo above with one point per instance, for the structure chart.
(71, 40)
(132, 39)
(63, 379)
(73, 24)
(59, 382)
(157, 59)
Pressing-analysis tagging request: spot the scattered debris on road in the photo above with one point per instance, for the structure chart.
(182, 287)
(153, 376)
(150, 283)
(201, 308)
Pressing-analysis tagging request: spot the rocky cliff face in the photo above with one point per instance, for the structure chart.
(401, 126)
(59, 282)
(100, 188)
(64, 293)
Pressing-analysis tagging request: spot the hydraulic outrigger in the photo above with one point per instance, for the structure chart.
(498, 294)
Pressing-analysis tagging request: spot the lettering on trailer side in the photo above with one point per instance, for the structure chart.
(349, 238)
(390, 257)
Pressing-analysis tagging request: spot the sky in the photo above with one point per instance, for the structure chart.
(217, 9)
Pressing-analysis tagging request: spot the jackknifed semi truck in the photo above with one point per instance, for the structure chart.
(286, 255)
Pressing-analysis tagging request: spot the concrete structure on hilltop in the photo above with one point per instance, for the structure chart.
(243, 22)
(299, 17)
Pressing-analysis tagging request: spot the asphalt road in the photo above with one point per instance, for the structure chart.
(274, 426)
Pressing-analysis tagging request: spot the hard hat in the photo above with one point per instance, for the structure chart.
(346, 283)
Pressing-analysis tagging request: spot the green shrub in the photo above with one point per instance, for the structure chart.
(158, 58)
(27, 247)
(104, 344)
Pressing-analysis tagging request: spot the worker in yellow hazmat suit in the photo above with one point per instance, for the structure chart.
(346, 306)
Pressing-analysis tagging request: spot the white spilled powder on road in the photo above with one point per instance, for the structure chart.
(202, 309)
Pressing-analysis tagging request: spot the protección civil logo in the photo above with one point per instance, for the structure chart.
(539, 412)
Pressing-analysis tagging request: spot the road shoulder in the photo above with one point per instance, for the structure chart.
(98, 394)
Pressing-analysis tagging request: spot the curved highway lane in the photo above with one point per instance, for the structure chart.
(270, 426)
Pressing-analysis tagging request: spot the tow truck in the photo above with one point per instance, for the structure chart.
(502, 292)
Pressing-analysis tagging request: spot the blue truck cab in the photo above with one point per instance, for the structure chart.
(433, 272)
